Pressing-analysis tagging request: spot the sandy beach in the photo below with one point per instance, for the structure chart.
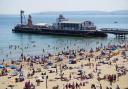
(103, 68)
(63, 44)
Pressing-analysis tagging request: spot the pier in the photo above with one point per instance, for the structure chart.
(119, 32)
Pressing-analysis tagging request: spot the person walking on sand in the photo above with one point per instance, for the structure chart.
(77, 85)
(56, 70)
(66, 86)
(111, 79)
(100, 86)
(70, 76)
(107, 88)
(21, 67)
(69, 85)
(93, 86)
(117, 87)
(116, 67)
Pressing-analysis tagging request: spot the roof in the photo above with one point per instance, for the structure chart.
(42, 24)
(73, 22)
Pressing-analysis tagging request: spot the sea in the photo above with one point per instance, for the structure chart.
(13, 44)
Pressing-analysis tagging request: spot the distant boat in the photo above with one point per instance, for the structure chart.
(115, 22)
(33, 42)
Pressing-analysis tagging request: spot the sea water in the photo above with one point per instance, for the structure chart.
(33, 44)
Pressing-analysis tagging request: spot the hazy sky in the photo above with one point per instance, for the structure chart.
(32, 6)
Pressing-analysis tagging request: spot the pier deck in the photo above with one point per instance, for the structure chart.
(119, 32)
(116, 31)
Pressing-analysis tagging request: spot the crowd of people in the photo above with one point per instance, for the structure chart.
(80, 66)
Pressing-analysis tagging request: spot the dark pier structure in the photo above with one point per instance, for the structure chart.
(119, 32)
(62, 26)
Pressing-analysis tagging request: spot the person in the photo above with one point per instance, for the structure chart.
(77, 85)
(93, 86)
(32, 86)
(38, 82)
(21, 55)
(31, 64)
(88, 59)
(110, 79)
(107, 88)
(83, 83)
(70, 76)
(117, 87)
(100, 86)
(56, 70)
(110, 88)
(33, 71)
(69, 85)
(3, 61)
(73, 85)
(66, 86)
(116, 67)
(29, 21)
(27, 85)
(21, 67)
(91, 50)
(114, 77)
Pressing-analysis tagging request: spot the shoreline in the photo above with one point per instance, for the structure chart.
(32, 48)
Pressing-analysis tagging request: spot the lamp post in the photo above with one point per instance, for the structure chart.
(21, 16)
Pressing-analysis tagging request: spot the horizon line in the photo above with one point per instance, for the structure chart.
(66, 11)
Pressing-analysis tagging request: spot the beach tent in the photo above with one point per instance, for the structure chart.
(116, 52)
(13, 73)
(123, 53)
(72, 61)
(103, 53)
(47, 67)
(50, 63)
(113, 48)
(1, 66)
(0, 72)
(13, 67)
